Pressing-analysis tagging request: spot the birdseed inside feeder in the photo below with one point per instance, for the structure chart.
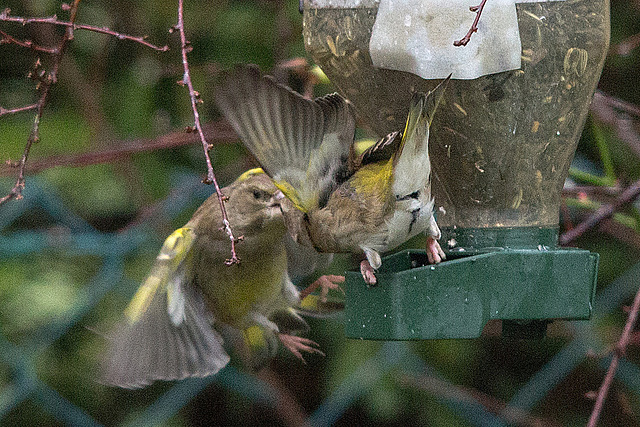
(501, 145)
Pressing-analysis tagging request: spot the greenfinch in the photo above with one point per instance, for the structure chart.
(191, 302)
(367, 203)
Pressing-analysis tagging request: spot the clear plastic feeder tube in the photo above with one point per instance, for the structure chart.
(501, 144)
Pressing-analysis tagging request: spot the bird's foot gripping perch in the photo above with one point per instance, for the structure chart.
(297, 345)
(435, 254)
(368, 273)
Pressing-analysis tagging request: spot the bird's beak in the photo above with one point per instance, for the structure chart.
(278, 196)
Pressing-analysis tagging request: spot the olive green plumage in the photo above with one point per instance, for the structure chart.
(191, 302)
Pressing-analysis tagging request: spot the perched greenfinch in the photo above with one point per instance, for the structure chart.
(367, 203)
(191, 301)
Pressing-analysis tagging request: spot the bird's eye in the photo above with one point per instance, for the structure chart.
(257, 194)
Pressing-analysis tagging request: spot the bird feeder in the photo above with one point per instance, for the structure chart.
(501, 145)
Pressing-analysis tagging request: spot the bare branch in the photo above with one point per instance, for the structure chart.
(5, 111)
(195, 100)
(619, 352)
(220, 132)
(626, 46)
(474, 27)
(45, 81)
(605, 211)
(603, 99)
(8, 39)
(592, 190)
(53, 20)
(45, 85)
(619, 114)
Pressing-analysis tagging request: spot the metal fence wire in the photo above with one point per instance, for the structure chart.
(23, 384)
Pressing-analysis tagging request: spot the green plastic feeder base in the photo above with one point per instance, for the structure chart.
(526, 288)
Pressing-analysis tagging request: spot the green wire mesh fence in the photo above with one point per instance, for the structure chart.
(23, 386)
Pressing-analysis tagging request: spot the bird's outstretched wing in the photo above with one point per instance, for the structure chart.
(167, 332)
(302, 144)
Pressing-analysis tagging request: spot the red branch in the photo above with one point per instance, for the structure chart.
(195, 100)
(221, 132)
(442, 388)
(592, 190)
(602, 99)
(618, 352)
(474, 27)
(627, 45)
(603, 212)
(4, 111)
(53, 20)
(46, 83)
(8, 39)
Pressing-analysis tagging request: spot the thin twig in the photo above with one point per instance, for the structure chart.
(620, 115)
(195, 100)
(592, 190)
(221, 132)
(604, 211)
(5, 111)
(474, 27)
(8, 39)
(445, 389)
(626, 46)
(619, 352)
(53, 20)
(45, 86)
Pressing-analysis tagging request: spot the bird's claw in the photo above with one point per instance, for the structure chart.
(368, 273)
(325, 282)
(296, 345)
(435, 254)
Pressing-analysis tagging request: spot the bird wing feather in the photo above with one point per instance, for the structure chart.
(167, 333)
(301, 144)
(383, 149)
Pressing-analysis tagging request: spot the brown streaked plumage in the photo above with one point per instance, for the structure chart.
(362, 204)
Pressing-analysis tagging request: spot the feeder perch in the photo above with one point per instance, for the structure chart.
(501, 145)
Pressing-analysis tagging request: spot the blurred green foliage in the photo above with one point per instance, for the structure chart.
(111, 91)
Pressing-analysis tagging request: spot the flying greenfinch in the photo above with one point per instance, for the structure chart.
(368, 203)
(191, 303)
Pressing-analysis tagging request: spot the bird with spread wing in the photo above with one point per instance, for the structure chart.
(192, 309)
(368, 203)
